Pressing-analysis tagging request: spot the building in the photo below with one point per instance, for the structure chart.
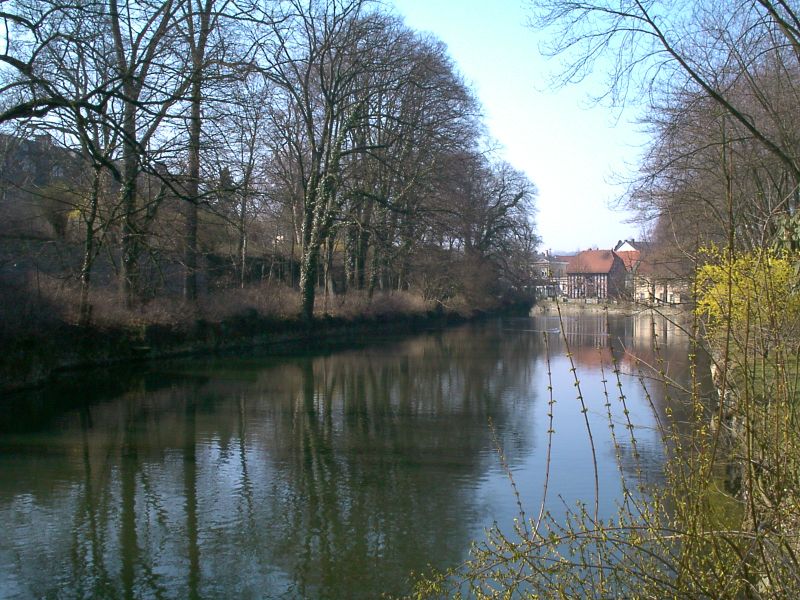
(632, 252)
(650, 278)
(550, 275)
(654, 287)
(596, 275)
(633, 271)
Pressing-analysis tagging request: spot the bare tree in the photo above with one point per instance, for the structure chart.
(742, 56)
(152, 81)
(244, 131)
(481, 228)
(423, 115)
(345, 154)
(32, 31)
(69, 91)
(199, 19)
(314, 55)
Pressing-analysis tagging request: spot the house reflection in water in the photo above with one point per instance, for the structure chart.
(634, 342)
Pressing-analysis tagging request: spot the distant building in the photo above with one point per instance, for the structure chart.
(631, 253)
(550, 275)
(650, 278)
(596, 274)
(633, 271)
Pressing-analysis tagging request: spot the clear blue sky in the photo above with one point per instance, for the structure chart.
(569, 149)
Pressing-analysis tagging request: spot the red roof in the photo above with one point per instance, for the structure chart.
(630, 258)
(592, 261)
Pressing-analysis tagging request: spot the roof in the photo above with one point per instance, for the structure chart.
(552, 259)
(592, 261)
(630, 258)
(631, 246)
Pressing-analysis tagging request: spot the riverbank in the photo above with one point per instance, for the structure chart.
(581, 307)
(35, 357)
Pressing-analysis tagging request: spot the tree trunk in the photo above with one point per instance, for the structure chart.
(198, 44)
(362, 248)
(190, 257)
(85, 309)
(129, 264)
(330, 287)
(308, 282)
(374, 270)
(349, 258)
(242, 252)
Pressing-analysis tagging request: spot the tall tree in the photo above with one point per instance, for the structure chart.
(742, 56)
(314, 54)
(152, 79)
(33, 33)
(423, 113)
(70, 90)
(200, 18)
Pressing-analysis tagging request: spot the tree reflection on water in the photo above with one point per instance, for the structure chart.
(304, 475)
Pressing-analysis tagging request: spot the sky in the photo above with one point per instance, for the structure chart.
(572, 150)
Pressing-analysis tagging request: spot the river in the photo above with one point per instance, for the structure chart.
(331, 473)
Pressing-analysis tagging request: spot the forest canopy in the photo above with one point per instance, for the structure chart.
(188, 147)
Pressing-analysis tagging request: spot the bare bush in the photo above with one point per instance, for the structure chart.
(359, 304)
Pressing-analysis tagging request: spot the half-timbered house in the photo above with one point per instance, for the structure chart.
(595, 274)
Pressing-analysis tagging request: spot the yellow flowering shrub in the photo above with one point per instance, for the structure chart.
(756, 291)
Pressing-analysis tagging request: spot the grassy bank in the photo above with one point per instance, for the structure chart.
(40, 336)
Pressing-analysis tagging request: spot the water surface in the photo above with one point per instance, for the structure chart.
(328, 474)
